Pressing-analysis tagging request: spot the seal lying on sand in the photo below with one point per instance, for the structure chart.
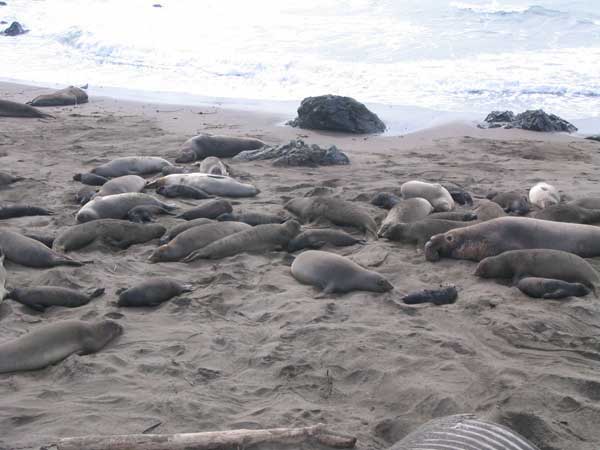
(42, 297)
(443, 296)
(52, 343)
(260, 238)
(177, 229)
(209, 210)
(131, 165)
(335, 273)
(91, 179)
(14, 109)
(251, 218)
(317, 238)
(205, 145)
(118, 233)
(543, 195)
(543, 263)
(337, 211)
(85, 194)
(122, 185)
(434, 193)
(214, 166)
(488, 210)
(512, 201)
(211, 184)
(31, 253)
(146, 213)
(476, 242)
(385, 200)
(568, 212)
(421, 231)
(63, 97)
(117, 206)
(196, 238)
(183, 191)
(549, 288)
(6, 178)
(153, 292)
(11, 211)
(406, 211)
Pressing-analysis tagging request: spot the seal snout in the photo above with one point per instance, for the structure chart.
(432, 248)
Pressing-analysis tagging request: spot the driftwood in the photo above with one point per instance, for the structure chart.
(214, 440)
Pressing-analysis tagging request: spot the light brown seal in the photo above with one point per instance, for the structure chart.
(64, 97)
(205, 145)
(31, 253)
(434, 193)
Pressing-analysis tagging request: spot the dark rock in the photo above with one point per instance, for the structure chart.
(500, 116)
(595, 137)
(15, 29)
(296, 153)
(2, 3)
(3, 22)
(532, 120)
(336, 113)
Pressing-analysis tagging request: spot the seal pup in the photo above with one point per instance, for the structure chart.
(542, 263)
(434, 193)
(543, 195)
(64, 97)
(214, 166)
(385, 200)
(117, 206)
(260, 238)
(566, 212)
(3, 290)
(335, 273)
(146, 213)
(91, 179)
(337, 211)
(114, 232)
(488, 210)
(194, 238)
(511, 202)
(42, 297)
(6, 178)
(152, 292)
(183, 191)
(50, 344)
(205, 145)
(85, 194)
(443, 296)
(31, 253)
(122, 185)
(476, 242)
(458, 194)
(550, 288)
(251, 218)
(131, 165)
(177, 229)
(209, 210)
(21, 110)
(421, 231)
(457, 216)
(211, 184)
(12, 211)
(409, 210)
(317, 238)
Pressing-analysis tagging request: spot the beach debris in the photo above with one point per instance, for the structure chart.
(213, 440)
(532, 120)
(15, 29)
(337, 113)
(297, 153)
(444, 296)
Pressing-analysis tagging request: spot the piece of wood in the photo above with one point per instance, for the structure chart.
(213, 440)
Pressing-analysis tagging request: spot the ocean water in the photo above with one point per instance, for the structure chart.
(462, 57)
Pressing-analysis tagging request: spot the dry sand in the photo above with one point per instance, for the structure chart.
(251, 347)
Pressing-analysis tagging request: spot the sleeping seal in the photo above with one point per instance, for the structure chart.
(421, 231)
(91, 179)
(214, 166)
(488, 210)
(568, 212)
(211, 184)
(49, 344)
(11, 211)
(152, 292)
(131, 165)
(406, 211)
(335, 273)
(434, 193)
(183, 191)
(490, 238)
(146, 213)
(31, 253)
(551, 289)
(122, 185)
(205, 145)
(177, 229)
(115, 232)
(512, 201)
(543, 195)
(317, 238)
(68, 96)
(251, 218)
(117, 206)
(42, 297)
(208, 210)
(385, 200)
(14, 109)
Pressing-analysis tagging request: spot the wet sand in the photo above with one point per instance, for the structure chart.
(251, 347)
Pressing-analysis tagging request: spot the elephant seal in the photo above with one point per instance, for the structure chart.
(117, 206)
(85, 194)
(337, 211)
(385, 200)
(459, 195)
(48, 241)
(409, 210)
(118, 233)
(211, 184)
(152, 292)
(146, 213)
(170, 170)
(31, 253)
(260, 238)
(91, 179)
(335, 273)
(21, 110)
(131, 165)
(205, 145)
(12, 211)
(178, 229)
(457, 216)
(63, 97)
(543, 195)
(251, 218)
(444, 296)
(213, 166)
(476, 242)
(463, 432)
(511, 202)
(42, 297)
(3, 290)
(183, 191)
(488, 210)
(317, 238)
(543, 263)
(196, 238)
(551, 289)
(421, 231)
(52, 343)
(565, 212)
(209, 210)
(587, 202)
(122, 185)
(434, 193)
(6, 178)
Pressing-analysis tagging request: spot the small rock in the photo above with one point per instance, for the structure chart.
(15, 29)
(532, 120)
(500, 116)
(297, 153)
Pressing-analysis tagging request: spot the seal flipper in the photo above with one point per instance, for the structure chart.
(326, 291)
(556, 294)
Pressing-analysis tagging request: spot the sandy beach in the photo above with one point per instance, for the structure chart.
(251, 347)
